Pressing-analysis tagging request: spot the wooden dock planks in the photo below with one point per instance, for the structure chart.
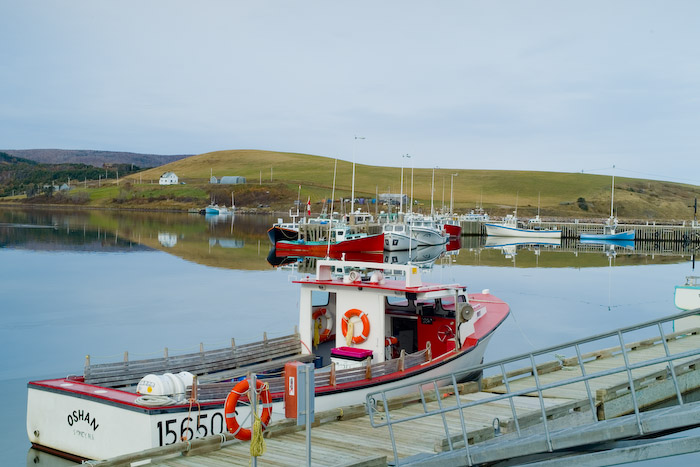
(353, 441)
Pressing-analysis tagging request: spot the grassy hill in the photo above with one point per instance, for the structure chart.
(273, 180)
(560, 194)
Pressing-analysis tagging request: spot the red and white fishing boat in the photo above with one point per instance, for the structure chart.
(363, 330)
(342, 240)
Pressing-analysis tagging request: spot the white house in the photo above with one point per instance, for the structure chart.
(168, 178)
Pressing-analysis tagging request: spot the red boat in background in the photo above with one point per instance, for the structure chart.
(341, 241)
(451, 227)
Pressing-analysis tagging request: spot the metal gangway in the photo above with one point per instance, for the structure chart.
(612, 400)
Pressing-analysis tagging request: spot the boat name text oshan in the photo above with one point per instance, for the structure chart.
(82, 415)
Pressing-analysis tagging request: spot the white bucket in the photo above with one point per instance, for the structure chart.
(166, 384)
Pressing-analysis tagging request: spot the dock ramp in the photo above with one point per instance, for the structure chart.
(559, 404)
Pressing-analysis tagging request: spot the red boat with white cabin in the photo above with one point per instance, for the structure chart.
(342, 240)
(365, 325)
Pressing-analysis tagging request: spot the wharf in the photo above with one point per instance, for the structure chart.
(501, 415)
(686, 233)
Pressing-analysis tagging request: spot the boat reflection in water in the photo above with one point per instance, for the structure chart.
(509, 245)
(422, 256)
(626, 244)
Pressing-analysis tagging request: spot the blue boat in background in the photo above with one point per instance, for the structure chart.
(610, 228)
(610, 233)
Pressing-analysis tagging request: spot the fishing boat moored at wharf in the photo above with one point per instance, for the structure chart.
(342, 240)
(510, 227)
(365, 325)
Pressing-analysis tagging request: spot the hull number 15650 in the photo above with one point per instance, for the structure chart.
(175, 429)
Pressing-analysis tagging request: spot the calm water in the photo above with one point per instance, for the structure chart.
(102, 283)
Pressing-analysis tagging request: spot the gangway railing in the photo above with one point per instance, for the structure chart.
(640, 356)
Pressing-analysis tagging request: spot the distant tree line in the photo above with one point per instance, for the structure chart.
(19, 175)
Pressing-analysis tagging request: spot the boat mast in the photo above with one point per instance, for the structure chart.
(432, 193)
(612, 194)
(411, 208)
(352, 201)
(401, 198)
(330, 221)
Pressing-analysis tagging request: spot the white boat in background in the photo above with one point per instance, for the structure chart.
(397, 237)
(368, 325)
(425, 231)
(475, 216)
(687, 297)
(510, 227)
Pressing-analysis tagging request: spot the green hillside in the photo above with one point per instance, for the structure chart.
(560, 194)
(273, 180)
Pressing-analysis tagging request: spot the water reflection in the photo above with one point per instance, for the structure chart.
(240, 241)
(576, 290)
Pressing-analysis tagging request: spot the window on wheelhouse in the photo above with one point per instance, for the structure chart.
(397, 302)
(319, 298)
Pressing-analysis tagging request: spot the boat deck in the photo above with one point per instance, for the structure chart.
(346, 437)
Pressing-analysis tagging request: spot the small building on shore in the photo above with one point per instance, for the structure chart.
(168, 178)
(393, 198)
(228, 180)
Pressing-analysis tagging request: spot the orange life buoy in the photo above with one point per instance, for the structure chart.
(325, 333)
(365, 324)
(230, 408)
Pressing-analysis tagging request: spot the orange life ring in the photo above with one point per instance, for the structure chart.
(365, 324)
(326, 332)
(230, 408)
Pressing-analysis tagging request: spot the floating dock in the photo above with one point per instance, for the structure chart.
(560, 401)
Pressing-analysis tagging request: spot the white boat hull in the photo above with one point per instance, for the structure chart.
(394, 241)
(496, 230)
(687, 297)
(89, 427)
(428, 237)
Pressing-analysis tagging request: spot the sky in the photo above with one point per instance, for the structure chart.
(520, 85)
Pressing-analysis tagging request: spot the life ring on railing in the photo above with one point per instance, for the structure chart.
(365, 325)
(230, 408)
(327, 328)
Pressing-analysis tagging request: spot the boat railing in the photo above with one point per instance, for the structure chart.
(129, 372)
(324, 377)
(657, 361)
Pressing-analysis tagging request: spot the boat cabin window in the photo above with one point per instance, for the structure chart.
(448, 302)
(319, 298)
(396, 302)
